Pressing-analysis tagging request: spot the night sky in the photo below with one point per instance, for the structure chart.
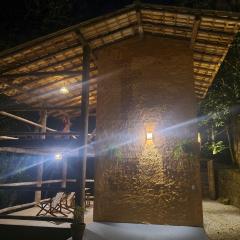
(23, 20)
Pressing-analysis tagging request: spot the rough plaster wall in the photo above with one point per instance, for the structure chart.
(146, 85)
(229, 185)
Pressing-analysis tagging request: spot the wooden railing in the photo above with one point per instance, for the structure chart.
(31, 186)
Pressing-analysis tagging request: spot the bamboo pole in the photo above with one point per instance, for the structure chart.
(26, 121)
(8, 138)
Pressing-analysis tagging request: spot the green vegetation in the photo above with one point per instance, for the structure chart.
(221, 105)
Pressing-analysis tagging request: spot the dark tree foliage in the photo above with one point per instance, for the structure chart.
(222, 104)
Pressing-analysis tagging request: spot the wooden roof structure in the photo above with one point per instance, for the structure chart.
(33, 73)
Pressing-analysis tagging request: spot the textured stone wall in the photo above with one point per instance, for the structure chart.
(146, 85)
(229, 185)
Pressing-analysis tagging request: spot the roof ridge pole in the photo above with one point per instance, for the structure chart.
(139, 17)
(81, 163)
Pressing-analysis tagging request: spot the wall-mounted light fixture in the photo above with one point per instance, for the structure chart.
(199, 138)
(149, 136)
(149, 132)
(58, 156)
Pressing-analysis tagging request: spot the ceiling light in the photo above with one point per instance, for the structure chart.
(64, 90)
(58, 156)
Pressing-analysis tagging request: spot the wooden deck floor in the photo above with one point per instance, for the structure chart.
(220, 221)
(34, 210)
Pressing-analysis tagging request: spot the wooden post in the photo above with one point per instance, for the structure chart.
(81, 165)
(64, 173)
(66, 129)
(43, 121)
(211, 180)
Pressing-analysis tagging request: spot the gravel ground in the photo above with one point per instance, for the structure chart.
(221, 222)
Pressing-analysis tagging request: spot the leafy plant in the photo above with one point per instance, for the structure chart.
(221, 105)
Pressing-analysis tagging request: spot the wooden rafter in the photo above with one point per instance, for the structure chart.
(44, 57)
(36, 62)
(41, 74)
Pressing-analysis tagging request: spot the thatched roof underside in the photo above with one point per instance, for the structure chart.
(34, 72)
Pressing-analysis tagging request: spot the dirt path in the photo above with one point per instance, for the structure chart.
(221, 222)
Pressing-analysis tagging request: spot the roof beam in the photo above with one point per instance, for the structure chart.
(211, 42)
(205, 52)
(92, 95)
(41, 74)
(35, 109)
(50, 93)
(44, 57)
(221, 15)
(102, 35)
(205, 69)
(196, 26)
(49, 84)
(25, 121)
(39, 80)
(215, 63)
(161, 25)
(49, 97)
(85, 42)
(24, 91)
(29, 81)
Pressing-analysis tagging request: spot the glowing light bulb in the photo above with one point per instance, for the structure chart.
(64, 90)
(149, 136)
(58, 156)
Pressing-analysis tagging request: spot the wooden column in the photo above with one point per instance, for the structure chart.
(81, 166)
(43, 121)
(211, 180)
(64, 173)
(66, 129)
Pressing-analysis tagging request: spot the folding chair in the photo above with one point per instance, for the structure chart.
(69, 202)
(52, 206)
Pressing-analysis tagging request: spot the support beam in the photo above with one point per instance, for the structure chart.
(38, 194)
(211, 180)
(81, 165)
(196, 25)
(85, 42)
